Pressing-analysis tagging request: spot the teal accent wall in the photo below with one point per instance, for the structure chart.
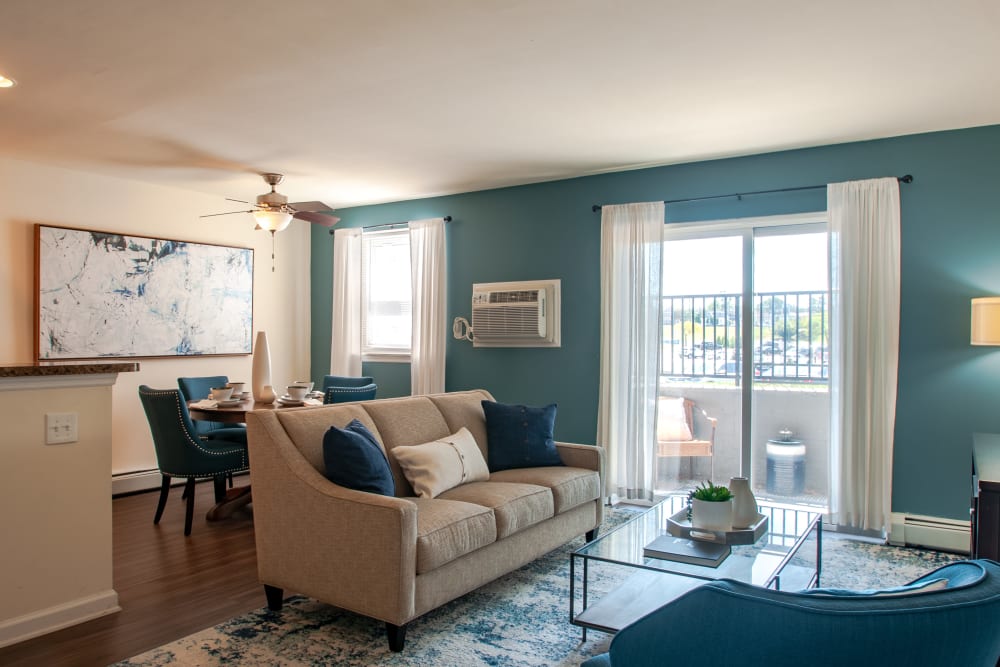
(950, 253)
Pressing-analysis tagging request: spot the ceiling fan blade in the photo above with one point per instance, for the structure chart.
(237, 200)
(212, 215)
(310, 206)
(317, 218)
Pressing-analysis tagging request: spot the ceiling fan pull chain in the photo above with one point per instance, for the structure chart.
(272, 251)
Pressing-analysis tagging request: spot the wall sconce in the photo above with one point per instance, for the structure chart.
(986, 321)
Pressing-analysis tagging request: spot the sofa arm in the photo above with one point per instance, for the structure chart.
(590, 457)
(351, 549)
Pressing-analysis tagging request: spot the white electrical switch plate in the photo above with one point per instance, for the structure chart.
(60, 427)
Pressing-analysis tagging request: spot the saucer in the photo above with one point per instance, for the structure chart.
(232, 402)
(288, 400)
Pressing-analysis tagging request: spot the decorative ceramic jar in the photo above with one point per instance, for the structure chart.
(261, 371)
(744, 503)
(712, 515)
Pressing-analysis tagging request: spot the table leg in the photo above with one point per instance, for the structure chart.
(234, 499)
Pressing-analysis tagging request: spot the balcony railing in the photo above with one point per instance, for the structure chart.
(702, 337)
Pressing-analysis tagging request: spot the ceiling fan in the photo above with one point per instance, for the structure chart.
(273, 212)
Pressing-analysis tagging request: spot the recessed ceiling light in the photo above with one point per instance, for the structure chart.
(7, 83)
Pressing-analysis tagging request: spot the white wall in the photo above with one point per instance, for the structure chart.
(31, 193)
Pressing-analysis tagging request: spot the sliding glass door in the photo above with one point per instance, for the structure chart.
(745, 359)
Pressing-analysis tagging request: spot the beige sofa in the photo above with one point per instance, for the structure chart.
(396, 558)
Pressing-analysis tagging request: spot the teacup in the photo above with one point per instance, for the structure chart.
(306, 383)
(221, 393)
(297, 392)
(237, 387)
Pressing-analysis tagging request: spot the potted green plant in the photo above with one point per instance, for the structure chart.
(710, 507)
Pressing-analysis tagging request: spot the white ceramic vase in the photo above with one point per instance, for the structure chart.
(261, 372)
(712, 515)
(744, 503)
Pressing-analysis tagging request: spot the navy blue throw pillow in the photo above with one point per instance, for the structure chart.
(354, 459)
(520, 437)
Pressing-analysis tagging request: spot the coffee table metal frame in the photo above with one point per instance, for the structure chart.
(775, 561)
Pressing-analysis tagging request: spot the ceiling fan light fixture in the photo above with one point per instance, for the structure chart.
(6, 82)
(272, 221)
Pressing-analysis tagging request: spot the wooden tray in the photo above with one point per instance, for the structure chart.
(678, 525)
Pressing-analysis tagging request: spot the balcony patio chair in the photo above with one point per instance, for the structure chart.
(180, 452)
(676, 432)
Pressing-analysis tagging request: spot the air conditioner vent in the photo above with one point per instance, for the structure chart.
(514, 296)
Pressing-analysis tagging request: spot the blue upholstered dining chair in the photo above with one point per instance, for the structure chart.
(197, 388)
(345, 381)
(349, 394)
(180, 452)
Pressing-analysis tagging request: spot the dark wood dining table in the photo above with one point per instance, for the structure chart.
(239, 496)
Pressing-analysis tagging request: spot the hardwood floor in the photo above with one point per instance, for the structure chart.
(168, 586)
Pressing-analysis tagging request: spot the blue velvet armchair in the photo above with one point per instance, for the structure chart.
(731, 623)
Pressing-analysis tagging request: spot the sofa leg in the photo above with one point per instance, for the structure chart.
(274, 596)
(592, 534)
(396, 635)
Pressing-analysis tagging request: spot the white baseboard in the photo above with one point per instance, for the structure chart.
(135, 481)
(55, 618)
(933, 532)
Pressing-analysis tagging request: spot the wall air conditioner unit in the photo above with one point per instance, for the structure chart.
(517, 314)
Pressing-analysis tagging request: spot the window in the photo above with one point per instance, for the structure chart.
(385, 293)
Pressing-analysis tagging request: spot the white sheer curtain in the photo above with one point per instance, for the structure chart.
(631, 332)
(345, 339)
(864, 338)
(428, 306)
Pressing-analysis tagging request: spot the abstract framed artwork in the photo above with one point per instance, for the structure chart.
(108, 295)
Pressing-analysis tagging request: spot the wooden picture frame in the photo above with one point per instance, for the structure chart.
(101, 295)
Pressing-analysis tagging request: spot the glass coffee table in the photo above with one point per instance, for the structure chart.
(619, 585)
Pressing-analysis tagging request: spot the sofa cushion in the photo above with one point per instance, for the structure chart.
(519, 436)
(355, 460)
(924, 586)
(464, 408)
(516, 506)
(448, 529)
(435, 467)
(307, 426)
(570, 486)
(410, 420)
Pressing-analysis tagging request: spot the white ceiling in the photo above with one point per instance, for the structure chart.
(360, 101)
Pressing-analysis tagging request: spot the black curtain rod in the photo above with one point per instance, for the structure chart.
(446, 218)
(902, 179)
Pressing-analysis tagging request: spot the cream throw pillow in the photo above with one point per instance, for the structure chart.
(672, 423)
(434, 467)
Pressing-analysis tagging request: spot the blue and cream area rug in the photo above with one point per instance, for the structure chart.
(519, 619)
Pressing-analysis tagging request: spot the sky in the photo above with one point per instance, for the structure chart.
(787, 263)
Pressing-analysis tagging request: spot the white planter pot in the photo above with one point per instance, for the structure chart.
(709, 515)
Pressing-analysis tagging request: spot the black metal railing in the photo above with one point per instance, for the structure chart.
(702, 337)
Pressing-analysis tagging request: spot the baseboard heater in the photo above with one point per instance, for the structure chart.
(915, 530)
(144, 480)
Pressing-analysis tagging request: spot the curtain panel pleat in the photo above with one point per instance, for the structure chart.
(631, 332)
(345, 338)
(864, 337)
(429, 306)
